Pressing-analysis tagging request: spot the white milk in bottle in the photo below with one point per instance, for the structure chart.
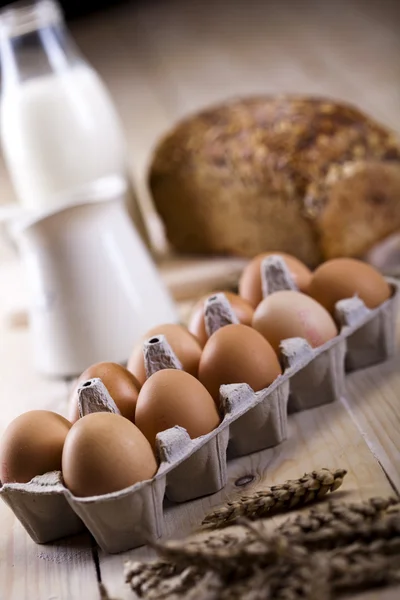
(59, 128)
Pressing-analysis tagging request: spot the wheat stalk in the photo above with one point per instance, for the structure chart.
(362, 566)
(340, 524)
(282, 566)
(287, 496)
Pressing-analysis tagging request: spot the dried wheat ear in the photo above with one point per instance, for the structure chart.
(329, 551)
(287, 496)
(349, 546)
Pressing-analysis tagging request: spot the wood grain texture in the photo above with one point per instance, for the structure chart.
(162, 60)
(188, 278)
(373, 401)
(321, 437)
(32, 572)
(29, 571)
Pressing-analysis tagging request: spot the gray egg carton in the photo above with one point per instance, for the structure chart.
(189, 469)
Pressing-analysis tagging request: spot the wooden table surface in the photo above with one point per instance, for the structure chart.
(361, 433)
(162, 60)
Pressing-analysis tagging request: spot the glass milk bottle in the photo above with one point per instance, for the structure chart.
(59, 129)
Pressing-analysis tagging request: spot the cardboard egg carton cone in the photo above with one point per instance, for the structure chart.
(188, 469)
(366, 337)
(251, 421)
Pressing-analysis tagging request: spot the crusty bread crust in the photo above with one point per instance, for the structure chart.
(303, 175)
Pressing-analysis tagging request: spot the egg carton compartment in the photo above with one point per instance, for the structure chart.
(126, 519)
(370, 334)
(316, 375)
(188, 469)
(257, 420)
(42, 508)
(252, 421)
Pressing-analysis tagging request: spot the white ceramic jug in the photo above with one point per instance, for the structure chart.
(94, 288)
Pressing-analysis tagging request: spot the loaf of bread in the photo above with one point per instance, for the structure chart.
(308, 176)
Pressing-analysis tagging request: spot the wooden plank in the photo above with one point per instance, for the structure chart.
(322, 437)
(161, 61)
(361, 48)
(373, 401)
(391, 593)
(21, 387)
(53, 571)
(65, 569)
(319, 444)
(27, 570)
(201, 57)
(190, 278)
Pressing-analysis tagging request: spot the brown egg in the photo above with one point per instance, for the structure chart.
(287, 314)
(32, 445)
(171, 397)
(243, 310)
(342, 278)
(182, 342)
(105, 453)
(122, 386)
(237, 354)
(250, 281)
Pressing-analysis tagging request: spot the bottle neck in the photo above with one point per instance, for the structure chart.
(34, 42)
